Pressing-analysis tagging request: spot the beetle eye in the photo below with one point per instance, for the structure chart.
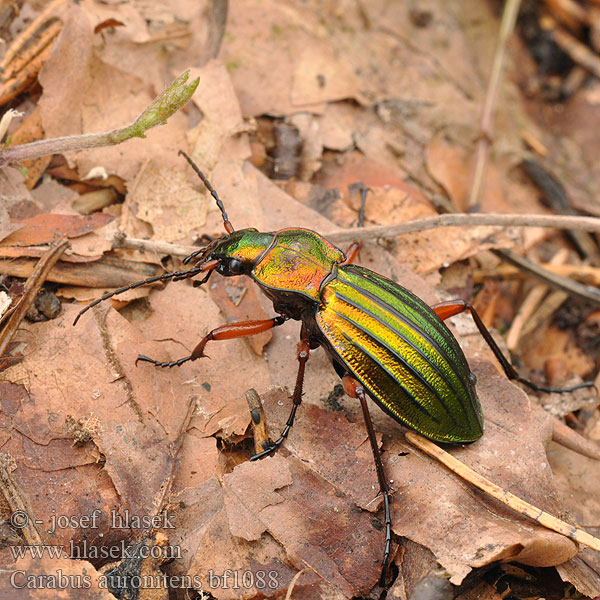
(236, 266)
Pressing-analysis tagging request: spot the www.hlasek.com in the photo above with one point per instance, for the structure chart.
(228, 579)
(85, 551)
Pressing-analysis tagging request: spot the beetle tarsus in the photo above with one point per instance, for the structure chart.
(158, 363)
(388, 539)
(543, 388)
(193, 255)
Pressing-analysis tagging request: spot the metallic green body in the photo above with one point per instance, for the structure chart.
(372, 328)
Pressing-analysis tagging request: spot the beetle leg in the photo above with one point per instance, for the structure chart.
(455, 307)
(355, 390)
(303, 355)
(225, 332)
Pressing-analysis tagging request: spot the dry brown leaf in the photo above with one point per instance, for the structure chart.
(263, 40)
(462, 527)
(330, 464)
(415, 562)
(166, 202)
(573, 148)
(301, 506)
(452, 167)
(216, 97)
(66, 76)
(337, 125)
(356, 167)
(280, 504)
(90, 370)
(15, 198)
(83, 94)
(129, 49)
(209, 549)
(90, 245)
(546, 342)
(279, 496)
(278, 209)
(46, 228)
(441, 46)
(320, 74)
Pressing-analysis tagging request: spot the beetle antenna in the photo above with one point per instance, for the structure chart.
(226, 223)
(175, 276)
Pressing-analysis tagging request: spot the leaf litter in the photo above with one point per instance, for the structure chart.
(314, 506)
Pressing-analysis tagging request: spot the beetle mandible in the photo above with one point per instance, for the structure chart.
(383, 341)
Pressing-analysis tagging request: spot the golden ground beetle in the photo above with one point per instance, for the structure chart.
(384, 342)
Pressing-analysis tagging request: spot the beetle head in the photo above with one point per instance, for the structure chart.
(236, 253)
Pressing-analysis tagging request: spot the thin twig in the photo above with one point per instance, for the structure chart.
(17, 500)
(341, 236)
(509, 18)
(586, 292)
(465, 220)
(157, 113)
(584, 273)
(292, 585)
(552, 302)
(151, 246)
(570, 13)
(504, 496)
(565, 436)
